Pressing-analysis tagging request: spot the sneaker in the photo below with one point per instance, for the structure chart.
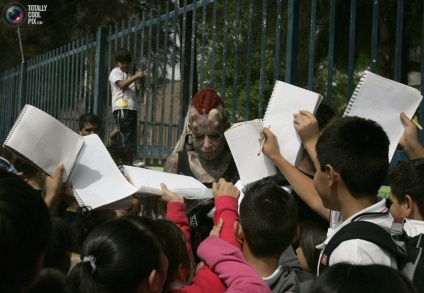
(138, 163)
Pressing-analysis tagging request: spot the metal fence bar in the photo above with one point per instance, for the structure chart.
(277, 40)
(351, 62)
(192, 53)
(182, 62)
(374, 36)
(236, 60)
(312, 45)
(224, 52)
(249, 62)
(202, 47)
(164, 71)
(331, 51)
(398, 45)
(174, 41)
(262, 67)
(212, 82)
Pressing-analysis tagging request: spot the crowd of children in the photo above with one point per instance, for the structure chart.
(260, 243)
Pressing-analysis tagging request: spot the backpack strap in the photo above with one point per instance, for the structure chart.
(360, 230)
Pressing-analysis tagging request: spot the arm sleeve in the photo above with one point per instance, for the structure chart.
(176, 212)
(228, 262)
(226, 207)
(114, 76)
(205, 281)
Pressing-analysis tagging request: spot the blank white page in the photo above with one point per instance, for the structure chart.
(44, 141)
(286, 100)
(97, 181)
(148, 183)
(381, 99)
(243, 140)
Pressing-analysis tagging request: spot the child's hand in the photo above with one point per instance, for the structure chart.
(306, 126)
(271, 148)
(54, 183)
(140, 74)
(409, 140)
(224, 188)
(216, 230)
(169, 196)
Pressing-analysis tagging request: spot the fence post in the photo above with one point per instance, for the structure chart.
(22, 86)
(292, 41)
(99, 71)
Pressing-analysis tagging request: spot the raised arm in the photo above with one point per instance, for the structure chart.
(301, 183)
(54, 189)
(226, 208)
(306, 126)
(123, 84)
(409, 140)
(176, 210)
(228, 262)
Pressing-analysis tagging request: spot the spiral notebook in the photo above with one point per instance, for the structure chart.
(286, 100)
(43, 141)
(148, 183)
(382, 99)
(243, 138)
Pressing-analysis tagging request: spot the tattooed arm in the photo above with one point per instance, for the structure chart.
(171, 164)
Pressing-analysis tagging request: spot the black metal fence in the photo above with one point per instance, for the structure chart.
(238, 47)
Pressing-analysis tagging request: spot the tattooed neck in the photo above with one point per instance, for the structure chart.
(209, 170)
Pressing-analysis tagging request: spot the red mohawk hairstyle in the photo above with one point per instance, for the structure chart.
(206, 100)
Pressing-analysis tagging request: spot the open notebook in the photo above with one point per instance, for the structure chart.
(148, 183)
(45, 142)
(381, 99)
(243, 138)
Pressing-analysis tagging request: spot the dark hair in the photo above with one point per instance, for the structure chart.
(61, 245)
(28, 170)
(25, 230)
(124, 252)
(324, 114)
(268, 216)
(174, 246)
(5, 153)
(50, 280)
(407, 178)
(123, 55)
(311, 234)
(358, 149)
(350, 278)
(88, 219)
(88, 118)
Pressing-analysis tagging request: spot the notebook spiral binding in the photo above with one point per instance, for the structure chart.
(270, 100)
(18, 120)
(354, 95)
(78, 198)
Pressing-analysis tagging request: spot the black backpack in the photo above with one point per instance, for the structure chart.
(408, 250)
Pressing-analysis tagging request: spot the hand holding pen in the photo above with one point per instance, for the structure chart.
(270, 147)
(409, 140)
(262, 142)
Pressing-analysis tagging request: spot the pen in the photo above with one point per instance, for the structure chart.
(262, 143)
(417, 124)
